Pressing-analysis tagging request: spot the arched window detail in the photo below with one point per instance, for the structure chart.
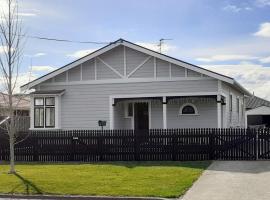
(188, 109)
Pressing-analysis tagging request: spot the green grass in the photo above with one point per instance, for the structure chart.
(157, 179)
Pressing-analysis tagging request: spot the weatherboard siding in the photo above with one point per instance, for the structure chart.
(83, 105)
(233, 119)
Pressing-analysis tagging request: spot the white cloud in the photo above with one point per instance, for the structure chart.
(35, 55)
(236, 9)
(43, 68)
(22, 79)
(262, 3)
(27, 14)
(265, 60)
(81, 53)
(226, 57)
(264, 30)
(166, 48)
(252, 76)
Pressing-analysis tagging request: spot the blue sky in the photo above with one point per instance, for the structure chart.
(231, 37)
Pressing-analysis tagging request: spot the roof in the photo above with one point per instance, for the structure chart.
(19, 102)
(143, 50)
(255, 102)
(48, 92)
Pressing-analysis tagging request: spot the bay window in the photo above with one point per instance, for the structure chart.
(44, 112)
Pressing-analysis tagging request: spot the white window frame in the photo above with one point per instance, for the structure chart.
(126, 106)
(188, 104)
(57, 108)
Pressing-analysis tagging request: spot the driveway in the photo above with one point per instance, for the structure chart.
(233, 180)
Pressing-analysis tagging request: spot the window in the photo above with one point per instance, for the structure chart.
(44, 114)
(128, 110)
(188, 109)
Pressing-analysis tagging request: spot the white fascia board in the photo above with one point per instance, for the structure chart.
(241, 88)
(69, 66)
(129, 80)
(177, 62)
(183, 94)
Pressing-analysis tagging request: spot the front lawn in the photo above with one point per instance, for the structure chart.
(157, 179)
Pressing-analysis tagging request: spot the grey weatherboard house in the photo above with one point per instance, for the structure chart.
(132, 87)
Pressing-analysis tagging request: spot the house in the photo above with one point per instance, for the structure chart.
(21, 105)
(126, 86)
(257, 112)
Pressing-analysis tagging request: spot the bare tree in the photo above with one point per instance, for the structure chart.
(11, 42)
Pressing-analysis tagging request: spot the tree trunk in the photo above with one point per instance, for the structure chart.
(12, 154)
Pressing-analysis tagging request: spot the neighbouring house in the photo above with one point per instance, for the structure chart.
(21, 105)
(126, 86)
(257, 112)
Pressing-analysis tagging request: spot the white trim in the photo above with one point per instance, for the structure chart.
(164, 111)
(129, 80)
(188, 104)
(71, 65)
(186, 72)
(111, 108)
(178, 62)
(139, 66)
(135, 47)
(57, 110)
(126, 106)
(119, 96)
(110, 67)
(219, 123)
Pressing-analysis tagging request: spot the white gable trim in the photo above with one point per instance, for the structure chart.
(135, 47)
(71, 65)
(176, 62)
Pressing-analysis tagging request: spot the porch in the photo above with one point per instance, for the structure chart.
(141, 112)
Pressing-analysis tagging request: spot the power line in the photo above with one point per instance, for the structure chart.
(61, 40)
(65, 40)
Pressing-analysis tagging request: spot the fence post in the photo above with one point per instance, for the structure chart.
(256, 144)
(72, 149)
(136, 146)
(174, 146)
(100, 145)
(211, 144)
(35, 149)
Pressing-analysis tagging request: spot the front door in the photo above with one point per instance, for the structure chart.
(141, 116)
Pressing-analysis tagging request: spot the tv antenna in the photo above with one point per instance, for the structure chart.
(161, 42)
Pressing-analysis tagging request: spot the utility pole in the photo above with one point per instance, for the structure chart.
(161, 42)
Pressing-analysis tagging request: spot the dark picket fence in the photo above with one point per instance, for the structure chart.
(130, 145)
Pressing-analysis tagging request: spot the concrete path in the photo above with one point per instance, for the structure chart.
(233, 180)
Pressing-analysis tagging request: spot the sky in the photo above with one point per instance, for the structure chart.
(231, 37)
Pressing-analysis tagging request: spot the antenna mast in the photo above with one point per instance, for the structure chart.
(161, 42)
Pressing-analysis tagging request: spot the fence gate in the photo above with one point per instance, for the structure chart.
(234, 144)
(263, 144)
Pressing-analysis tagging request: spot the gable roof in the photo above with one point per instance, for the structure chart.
(140, 49)
(253, 102)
